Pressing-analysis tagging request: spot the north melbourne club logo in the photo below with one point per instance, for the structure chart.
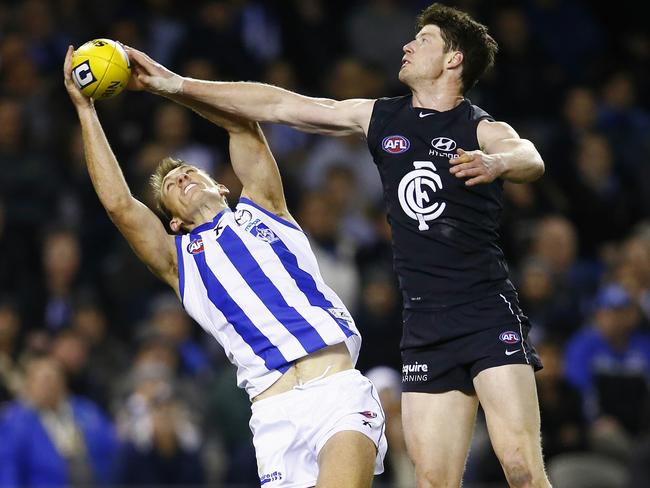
(263, 233)
(414, 193)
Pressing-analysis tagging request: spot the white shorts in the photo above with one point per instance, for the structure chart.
(290, 429)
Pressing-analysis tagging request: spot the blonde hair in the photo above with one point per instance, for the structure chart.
(164, 167)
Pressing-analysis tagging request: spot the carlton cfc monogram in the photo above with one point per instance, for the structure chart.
(413, 194)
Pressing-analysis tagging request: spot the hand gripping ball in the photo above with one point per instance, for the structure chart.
(101, 68)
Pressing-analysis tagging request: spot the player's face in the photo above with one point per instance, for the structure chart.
(424, 57)
(185, 189)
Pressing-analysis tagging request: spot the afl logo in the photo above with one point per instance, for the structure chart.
(413, 193)
(196, 246)
(369, 414)
(509, 337)
(443, 144)
(395, 144)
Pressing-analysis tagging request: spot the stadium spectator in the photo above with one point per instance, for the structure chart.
(340, 186)
(609, 362)
(161, 443)
(172, 131)
(334, 251)
(379, 314)
(10, 325)
(171, 323)
(598, 195)
(565, 427)
(558, 91)
(555, 245)
(52, 438)
(108, 358)
(61, 254)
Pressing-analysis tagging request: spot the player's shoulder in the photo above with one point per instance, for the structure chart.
(477, 113)
(385, 112)
(248, 211)
(392, 103)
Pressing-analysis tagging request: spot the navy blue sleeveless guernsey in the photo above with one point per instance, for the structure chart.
(444, 233)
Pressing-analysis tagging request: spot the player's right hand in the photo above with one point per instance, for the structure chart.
(149, 75)
(78, 99)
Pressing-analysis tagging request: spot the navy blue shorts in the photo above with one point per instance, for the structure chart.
(444, 350)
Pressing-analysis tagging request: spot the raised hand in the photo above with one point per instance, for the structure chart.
(78, 99)
(150, 75)
(477, 166)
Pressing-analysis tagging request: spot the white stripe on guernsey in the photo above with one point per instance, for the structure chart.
(212, 320)
(307, 261)
(328, 329)
(252, 373)
(521, 331)
(248, 301)
(299, 246)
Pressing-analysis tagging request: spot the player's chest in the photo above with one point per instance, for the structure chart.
(423, 151)
(233, 238)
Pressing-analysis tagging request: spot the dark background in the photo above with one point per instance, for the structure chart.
(572, 76)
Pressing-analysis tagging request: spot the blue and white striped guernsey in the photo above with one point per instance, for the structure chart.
(251, 280)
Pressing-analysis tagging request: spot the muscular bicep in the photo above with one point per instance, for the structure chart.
(497, 137)
(520, 160)
(149, 240)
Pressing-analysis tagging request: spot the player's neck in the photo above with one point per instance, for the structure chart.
(437, 97)
(206, 213)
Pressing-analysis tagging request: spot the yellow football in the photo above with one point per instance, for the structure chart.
(101, 68)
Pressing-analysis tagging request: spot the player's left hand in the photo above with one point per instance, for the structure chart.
(478, 166)
(78, 99)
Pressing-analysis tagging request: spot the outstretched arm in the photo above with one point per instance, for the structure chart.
(255, 101)
(503, 154)
(256, 168)
(139, 225)
(250, 157)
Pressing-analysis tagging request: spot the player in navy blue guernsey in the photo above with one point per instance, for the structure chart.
(250, 279)
(442, 162)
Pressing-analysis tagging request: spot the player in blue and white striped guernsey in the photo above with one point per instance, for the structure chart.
(250, 279)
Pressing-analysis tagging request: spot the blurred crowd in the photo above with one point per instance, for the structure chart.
(103, 378)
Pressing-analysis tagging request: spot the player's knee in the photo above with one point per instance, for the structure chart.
(518, 472)
(436, 478)
(523, 472)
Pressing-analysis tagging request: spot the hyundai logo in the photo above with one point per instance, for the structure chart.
(444, 144)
